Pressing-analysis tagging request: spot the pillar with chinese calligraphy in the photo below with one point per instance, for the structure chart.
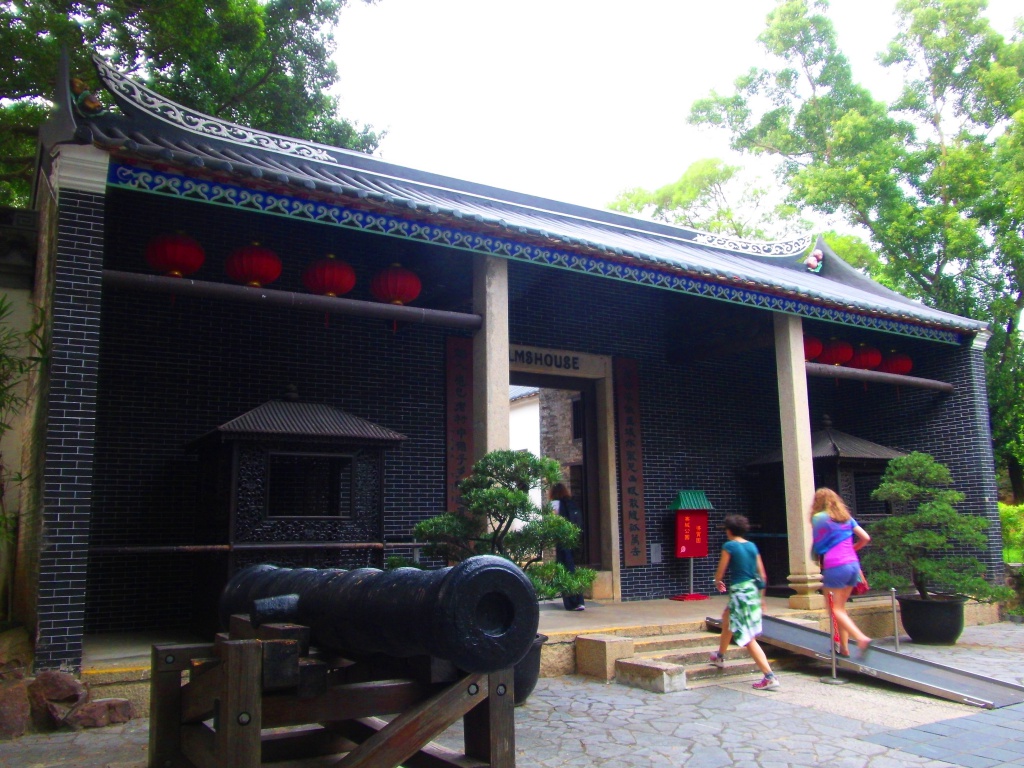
(691, 508)
(631, 460)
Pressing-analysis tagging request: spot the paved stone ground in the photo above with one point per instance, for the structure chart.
(574, 721)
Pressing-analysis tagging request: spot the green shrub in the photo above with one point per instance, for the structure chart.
(1012, 519)
(1015, 581)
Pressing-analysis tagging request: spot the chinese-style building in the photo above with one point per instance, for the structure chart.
(242, 413)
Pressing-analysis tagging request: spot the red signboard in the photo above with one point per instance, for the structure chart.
(691, 533)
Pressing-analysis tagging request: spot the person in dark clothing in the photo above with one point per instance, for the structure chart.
(563, 504)
(741, 620)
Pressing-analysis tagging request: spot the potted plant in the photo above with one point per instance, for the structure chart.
(498, 517)
(925, 544)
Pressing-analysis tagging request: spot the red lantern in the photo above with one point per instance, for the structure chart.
(836, 352)
(175, 255)
(253, 265)
(395, 285)
(329, 277)
(866, 357)
(812, 347)
(897, 362)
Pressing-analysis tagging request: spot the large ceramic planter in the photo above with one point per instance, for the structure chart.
(527, 671)
(936, 621)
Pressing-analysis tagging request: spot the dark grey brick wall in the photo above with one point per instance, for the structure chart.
(70, 432)
(172, 369)
(702, 419)
(710, 405)
(954, 428)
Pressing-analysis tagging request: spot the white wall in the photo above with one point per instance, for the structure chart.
(524, 430)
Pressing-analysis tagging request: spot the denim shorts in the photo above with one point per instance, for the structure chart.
(841, 576)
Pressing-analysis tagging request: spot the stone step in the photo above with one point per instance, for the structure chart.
(666, 676)
(695, 655)
(657, 643)
(678, 662)
(733, 668)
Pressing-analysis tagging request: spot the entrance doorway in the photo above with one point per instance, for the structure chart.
(567, 417)
(588, 378)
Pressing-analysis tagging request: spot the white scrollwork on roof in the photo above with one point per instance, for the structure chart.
(175, 114)
(783, 248)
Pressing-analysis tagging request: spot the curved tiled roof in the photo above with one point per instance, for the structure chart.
(296, 419)
(830, 443)
(151, 129)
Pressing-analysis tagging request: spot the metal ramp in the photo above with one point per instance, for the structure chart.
(907, 671)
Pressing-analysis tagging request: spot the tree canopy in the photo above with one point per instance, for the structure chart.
(264, 64)
(713, 196)
(936, 178)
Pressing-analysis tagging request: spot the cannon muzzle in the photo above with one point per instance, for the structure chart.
(481, 614)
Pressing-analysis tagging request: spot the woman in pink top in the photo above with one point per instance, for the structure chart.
(837, 538)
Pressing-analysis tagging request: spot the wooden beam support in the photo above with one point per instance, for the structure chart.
(343, 702)
(240, 707)
(167, 662)
(878, 377)
(413, 729)
(490, 728)
(431, 756)
(303, 301)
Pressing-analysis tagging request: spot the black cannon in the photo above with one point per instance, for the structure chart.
(481, 614)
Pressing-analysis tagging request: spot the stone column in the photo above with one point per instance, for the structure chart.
(490, 356)
(797, 462)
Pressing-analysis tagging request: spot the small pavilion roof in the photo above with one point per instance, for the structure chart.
(152, 131)
(295, 419)
(829, 443)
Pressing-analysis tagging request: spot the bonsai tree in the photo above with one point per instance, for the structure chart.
(922, 544)
(498, 517)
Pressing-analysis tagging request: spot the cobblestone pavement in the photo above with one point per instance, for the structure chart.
(574, 721)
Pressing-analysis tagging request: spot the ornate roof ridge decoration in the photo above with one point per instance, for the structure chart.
(776, 249)
(134, 96)
(153, 104)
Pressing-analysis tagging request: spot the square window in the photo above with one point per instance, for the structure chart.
(310, 485)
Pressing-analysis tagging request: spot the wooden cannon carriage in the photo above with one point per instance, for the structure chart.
(269, 690)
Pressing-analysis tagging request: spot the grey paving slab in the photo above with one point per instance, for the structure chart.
(976, 761)
(998, 753)
(574, 721)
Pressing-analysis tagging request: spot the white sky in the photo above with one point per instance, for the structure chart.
(574, 100)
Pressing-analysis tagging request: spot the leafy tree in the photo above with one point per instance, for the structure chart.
(264, 64)
(936, 178)
(712, 196)
(21, 351)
